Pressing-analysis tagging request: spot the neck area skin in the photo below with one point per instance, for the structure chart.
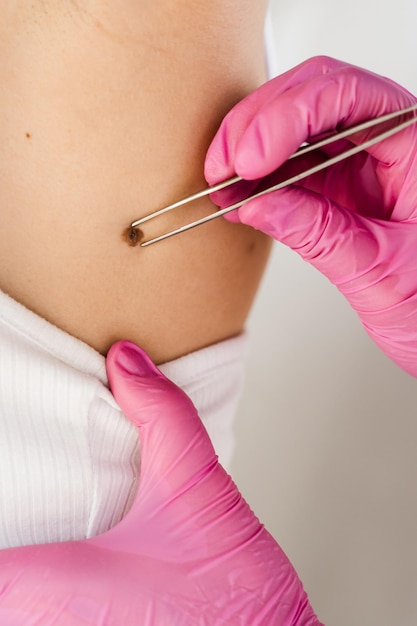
(107, 110)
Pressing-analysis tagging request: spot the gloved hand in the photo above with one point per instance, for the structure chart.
(356, 222)
(190, 551)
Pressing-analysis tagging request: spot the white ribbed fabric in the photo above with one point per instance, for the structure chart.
(69, 458)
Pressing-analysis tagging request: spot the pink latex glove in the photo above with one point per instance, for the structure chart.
(190, 552)
(355, 222)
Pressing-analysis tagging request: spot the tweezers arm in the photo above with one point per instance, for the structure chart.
(294, 179)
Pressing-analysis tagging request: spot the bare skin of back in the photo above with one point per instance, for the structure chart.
(107, 110)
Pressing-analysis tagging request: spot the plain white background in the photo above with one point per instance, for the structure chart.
(327, 430)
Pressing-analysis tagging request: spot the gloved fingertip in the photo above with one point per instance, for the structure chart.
(247, 164)
(252, 212)
(219, 161)
(268, 213)
(127, 357)
(212, 171)
(252, 154)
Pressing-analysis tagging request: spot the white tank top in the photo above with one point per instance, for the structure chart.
(69, 458)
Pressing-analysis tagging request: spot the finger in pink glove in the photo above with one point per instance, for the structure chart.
(190, 551)
(355, 222)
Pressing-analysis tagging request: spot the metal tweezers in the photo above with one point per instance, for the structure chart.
(290, 181)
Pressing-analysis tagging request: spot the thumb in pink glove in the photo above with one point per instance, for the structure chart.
(190, 551)
(356, 222)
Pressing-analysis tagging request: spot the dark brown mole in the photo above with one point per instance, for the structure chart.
(132, 236)
(28, 135)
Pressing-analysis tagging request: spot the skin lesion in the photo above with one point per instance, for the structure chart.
(132, 236)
